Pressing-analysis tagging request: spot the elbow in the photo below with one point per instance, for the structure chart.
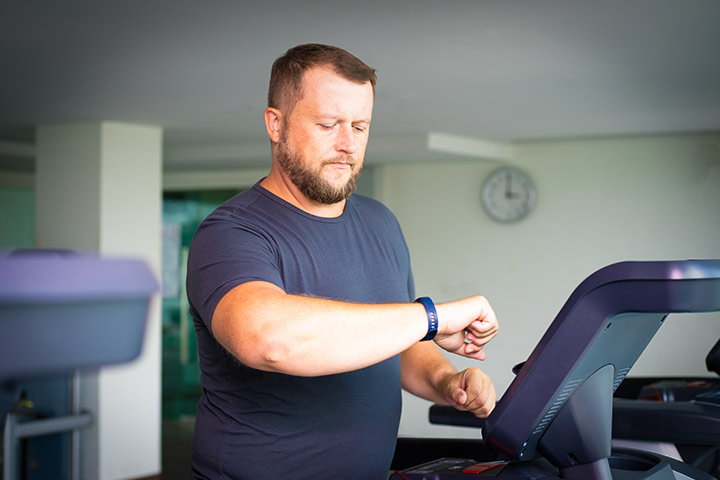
(273, 355)
(263, 353)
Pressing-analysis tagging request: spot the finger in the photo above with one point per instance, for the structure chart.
(483, 404)
(472, 344)
(472, 351)
(476, 397)
(480, 405)
(482, 411)
(483, 327)
(475, 391)
(460, 397)
(479, 342)
(471, 338)
(481, 332)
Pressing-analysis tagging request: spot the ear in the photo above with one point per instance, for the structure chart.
(273, 123)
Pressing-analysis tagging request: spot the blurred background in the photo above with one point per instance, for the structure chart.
(122, 124)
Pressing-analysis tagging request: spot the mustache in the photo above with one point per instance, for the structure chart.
(349, 159)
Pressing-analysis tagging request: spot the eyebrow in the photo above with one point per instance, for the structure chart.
(335, 118)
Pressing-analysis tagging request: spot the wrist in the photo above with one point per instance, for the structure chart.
(432, 317)
(445, 383)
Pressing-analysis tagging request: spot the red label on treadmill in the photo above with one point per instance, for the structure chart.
(487, 468)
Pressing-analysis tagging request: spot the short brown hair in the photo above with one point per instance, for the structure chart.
(287, 71)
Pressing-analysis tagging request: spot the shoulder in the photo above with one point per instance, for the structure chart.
(365, 205)
(239, 220)
(374, 214)
(248, 208)
(246, 200)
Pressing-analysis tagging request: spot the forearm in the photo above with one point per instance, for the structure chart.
(267, 329)
(424, 369)
(427, 374)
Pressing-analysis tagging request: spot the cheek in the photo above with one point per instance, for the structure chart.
(306, 140)
(317, 148)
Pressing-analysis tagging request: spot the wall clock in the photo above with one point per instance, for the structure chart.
(508, 194)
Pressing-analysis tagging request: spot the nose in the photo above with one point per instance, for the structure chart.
(346, 140)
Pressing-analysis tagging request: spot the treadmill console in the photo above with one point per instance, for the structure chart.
(558, 409)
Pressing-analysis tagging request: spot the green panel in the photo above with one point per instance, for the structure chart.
(182, 213)
(17, 217)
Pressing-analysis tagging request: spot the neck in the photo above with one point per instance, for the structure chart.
(279, 184)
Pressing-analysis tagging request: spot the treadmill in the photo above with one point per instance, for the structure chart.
(555, 418)
(673, 416)
(61, 312)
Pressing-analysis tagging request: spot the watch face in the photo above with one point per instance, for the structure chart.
(508, 194)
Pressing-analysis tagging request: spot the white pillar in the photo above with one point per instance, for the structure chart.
(98, 189)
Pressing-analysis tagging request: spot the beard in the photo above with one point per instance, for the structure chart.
(309, 181)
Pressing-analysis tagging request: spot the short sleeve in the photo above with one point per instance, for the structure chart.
(225, 253)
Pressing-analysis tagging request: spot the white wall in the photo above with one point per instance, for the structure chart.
(600, 201)
(131, 213)
(98, 190)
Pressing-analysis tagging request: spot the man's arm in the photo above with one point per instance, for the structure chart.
(267, 329)
(427, 374)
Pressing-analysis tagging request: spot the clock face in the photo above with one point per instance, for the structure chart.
(508, 194)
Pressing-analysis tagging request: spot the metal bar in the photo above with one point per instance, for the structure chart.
(74, 464)
(52, 425)
(9, 459)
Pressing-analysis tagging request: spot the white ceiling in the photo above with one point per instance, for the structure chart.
(502, 70)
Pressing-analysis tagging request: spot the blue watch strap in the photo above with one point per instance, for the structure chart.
(432, 317)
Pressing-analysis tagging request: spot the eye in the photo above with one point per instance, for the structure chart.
(359, 128)
(326, 126)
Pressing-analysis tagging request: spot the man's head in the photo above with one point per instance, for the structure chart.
(287, 72)
(321, 101)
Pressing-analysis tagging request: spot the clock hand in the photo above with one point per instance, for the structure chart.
(509, 194)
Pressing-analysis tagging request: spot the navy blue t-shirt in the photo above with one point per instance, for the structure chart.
(253, 424)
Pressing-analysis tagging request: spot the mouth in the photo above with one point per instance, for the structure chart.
(340, 163)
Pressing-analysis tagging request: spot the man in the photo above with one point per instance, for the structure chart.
(301, 294)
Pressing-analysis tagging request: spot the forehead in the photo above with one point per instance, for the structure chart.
(326, 92)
